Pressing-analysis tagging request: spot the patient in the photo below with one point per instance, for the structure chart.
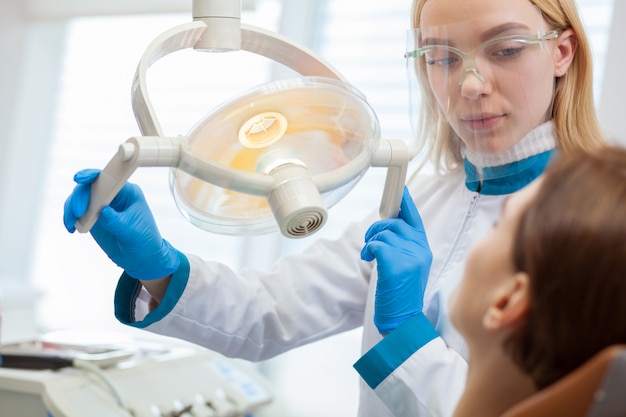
(545, 290)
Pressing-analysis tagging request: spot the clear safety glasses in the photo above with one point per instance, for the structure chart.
(443, 60)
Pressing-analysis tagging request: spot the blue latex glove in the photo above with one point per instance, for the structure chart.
(125, 230)
(403, 258)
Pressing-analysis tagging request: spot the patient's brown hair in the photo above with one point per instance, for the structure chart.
(572, 243)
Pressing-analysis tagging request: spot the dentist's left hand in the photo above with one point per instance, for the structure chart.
(125, 230)
(403, 260)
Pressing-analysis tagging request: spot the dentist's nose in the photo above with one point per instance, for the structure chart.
(472, 83)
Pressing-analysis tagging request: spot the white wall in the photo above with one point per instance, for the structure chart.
(611, 109)
(29, 72)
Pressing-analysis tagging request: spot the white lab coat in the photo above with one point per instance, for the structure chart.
(328, 289)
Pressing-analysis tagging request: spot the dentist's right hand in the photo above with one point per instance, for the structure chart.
(125, 230)
(403, 260)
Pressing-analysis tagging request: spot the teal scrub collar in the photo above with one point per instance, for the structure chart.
(508, 178)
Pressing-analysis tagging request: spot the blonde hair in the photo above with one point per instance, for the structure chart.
(573, 113)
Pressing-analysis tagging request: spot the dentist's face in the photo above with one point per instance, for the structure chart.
(501, 87)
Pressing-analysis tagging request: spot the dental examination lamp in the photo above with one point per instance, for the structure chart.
(279, 154)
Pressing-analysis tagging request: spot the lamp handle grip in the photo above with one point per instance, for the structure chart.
(104, 189)
(394, 154)
(135, 152)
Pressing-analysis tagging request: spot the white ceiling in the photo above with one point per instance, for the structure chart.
(61, 9)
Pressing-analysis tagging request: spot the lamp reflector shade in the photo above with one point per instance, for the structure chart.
(318, 123)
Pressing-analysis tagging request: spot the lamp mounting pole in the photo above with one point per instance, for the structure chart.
(223, 21)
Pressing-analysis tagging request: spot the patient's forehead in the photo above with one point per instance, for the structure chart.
(518, 202)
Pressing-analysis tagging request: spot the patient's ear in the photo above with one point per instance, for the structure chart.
(510, 303)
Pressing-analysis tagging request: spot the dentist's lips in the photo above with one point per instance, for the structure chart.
(482, 121)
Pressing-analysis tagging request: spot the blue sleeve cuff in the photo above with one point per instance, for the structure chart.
(388, 354)
(128, 289)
